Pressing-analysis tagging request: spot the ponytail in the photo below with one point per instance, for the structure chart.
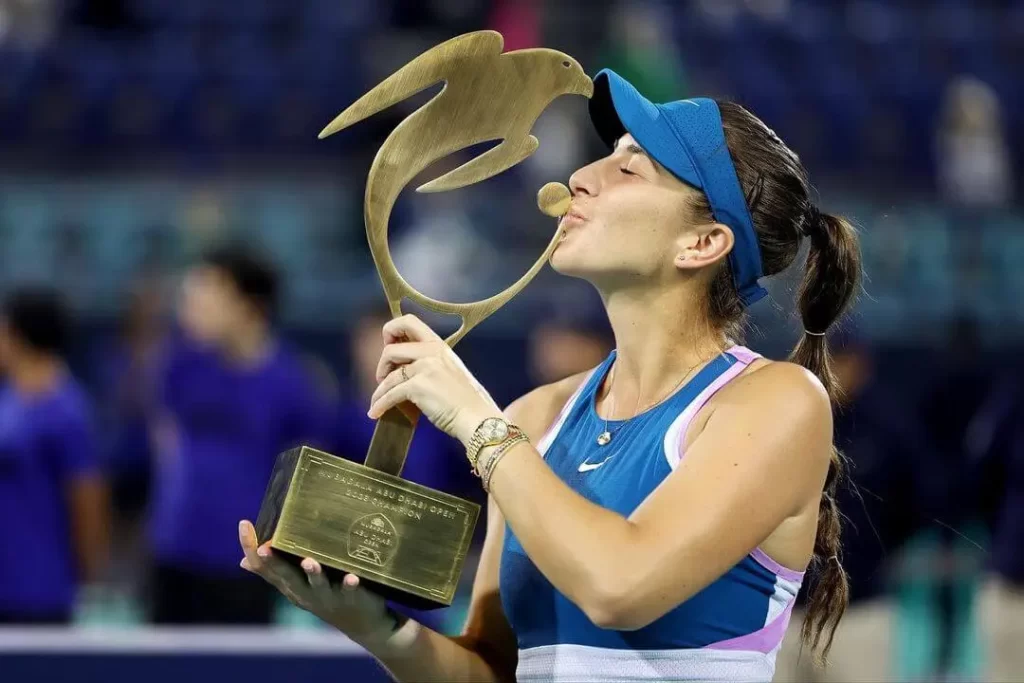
(777, 192)
(830, 283)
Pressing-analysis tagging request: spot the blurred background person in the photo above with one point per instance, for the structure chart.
(231, 396)
(53, 496)
(996, 445)
(432, 459)
(125, 377)
(974, 158)
(568, 340)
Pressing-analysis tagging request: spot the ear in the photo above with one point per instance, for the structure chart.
(703, 246)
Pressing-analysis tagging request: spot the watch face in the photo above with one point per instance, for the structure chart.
(494, 430)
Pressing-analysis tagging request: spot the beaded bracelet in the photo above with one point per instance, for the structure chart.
(487, 471)
(483, 462)
(484, 465)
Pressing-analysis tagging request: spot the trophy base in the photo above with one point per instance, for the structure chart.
(404, 541)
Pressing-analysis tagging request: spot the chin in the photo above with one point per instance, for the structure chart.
(565, 261)
(571, 263)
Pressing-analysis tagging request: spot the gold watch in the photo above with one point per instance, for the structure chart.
(491, 432)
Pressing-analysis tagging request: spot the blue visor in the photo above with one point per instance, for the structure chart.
(687, 138)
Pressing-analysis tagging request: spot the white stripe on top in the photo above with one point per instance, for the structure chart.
(577, 663)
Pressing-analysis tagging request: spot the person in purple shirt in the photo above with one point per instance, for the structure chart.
(231, 397)
(53, 498)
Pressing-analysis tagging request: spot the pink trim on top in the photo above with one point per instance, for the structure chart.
(763, 559)
(556, 426)
(676, 434)
(764, 640)
(743, 354)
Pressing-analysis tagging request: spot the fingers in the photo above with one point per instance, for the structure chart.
(247, 539)
(394, 378)
(387, 398)
(397, 353)
(350, 583)
(315, 574)
(408, 328)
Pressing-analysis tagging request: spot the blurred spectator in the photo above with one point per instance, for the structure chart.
(125, 394)
(518, 21)
(128, 381)
(996, 444)
(26, 23)
(434, 458)
(570, 341)
(53, 499)
(232, 396)
(442, 253)
(894, 486)
(640, 48)
(974, 159)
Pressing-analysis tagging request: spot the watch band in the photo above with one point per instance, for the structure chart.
(479, 440)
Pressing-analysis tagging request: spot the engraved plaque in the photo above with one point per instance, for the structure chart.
(410, 541)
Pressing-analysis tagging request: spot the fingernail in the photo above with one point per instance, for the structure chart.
(307, 566)
(263, 551)
(241, 526)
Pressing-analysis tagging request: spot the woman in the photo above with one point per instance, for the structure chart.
(654, 522)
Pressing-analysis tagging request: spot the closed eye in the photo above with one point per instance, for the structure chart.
(627, 171)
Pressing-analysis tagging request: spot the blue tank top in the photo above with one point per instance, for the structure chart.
(729, 631)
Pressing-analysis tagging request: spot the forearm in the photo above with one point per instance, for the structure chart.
(90, 524)
(417, 653)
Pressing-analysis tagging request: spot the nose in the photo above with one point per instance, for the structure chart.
(584, 181)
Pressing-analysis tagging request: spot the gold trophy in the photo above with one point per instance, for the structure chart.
(406, 541)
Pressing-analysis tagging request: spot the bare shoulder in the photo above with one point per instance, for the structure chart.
(534, 412)
(779, 391)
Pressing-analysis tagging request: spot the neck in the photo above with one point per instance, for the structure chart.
(661, 339)
(35, 375)
(249, 345)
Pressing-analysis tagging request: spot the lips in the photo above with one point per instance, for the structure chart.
(573, 216)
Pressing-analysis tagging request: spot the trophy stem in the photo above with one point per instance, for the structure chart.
(390, 443)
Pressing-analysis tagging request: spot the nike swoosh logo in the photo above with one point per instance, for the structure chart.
(587, 466)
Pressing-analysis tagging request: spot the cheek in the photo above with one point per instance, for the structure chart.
(203, 313)
(632, 228)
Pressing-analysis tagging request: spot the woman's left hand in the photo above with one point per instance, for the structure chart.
(419, 367)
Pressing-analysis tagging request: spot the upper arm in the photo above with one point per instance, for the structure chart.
(761, 459)
(74, 446)
(487, 627)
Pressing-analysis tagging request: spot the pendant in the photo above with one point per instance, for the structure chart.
(604, 438)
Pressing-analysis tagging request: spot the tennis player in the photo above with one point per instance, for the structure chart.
(652, 519)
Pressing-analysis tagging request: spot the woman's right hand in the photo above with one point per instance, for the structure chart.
(353, 610)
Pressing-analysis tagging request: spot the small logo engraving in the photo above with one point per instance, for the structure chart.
(588, 466)
(372, 538)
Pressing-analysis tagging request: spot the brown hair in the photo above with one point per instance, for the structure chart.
(778, 195)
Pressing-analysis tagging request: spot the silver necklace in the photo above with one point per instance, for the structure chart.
(605, 437)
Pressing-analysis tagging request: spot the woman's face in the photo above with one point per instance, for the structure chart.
(630, 220)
